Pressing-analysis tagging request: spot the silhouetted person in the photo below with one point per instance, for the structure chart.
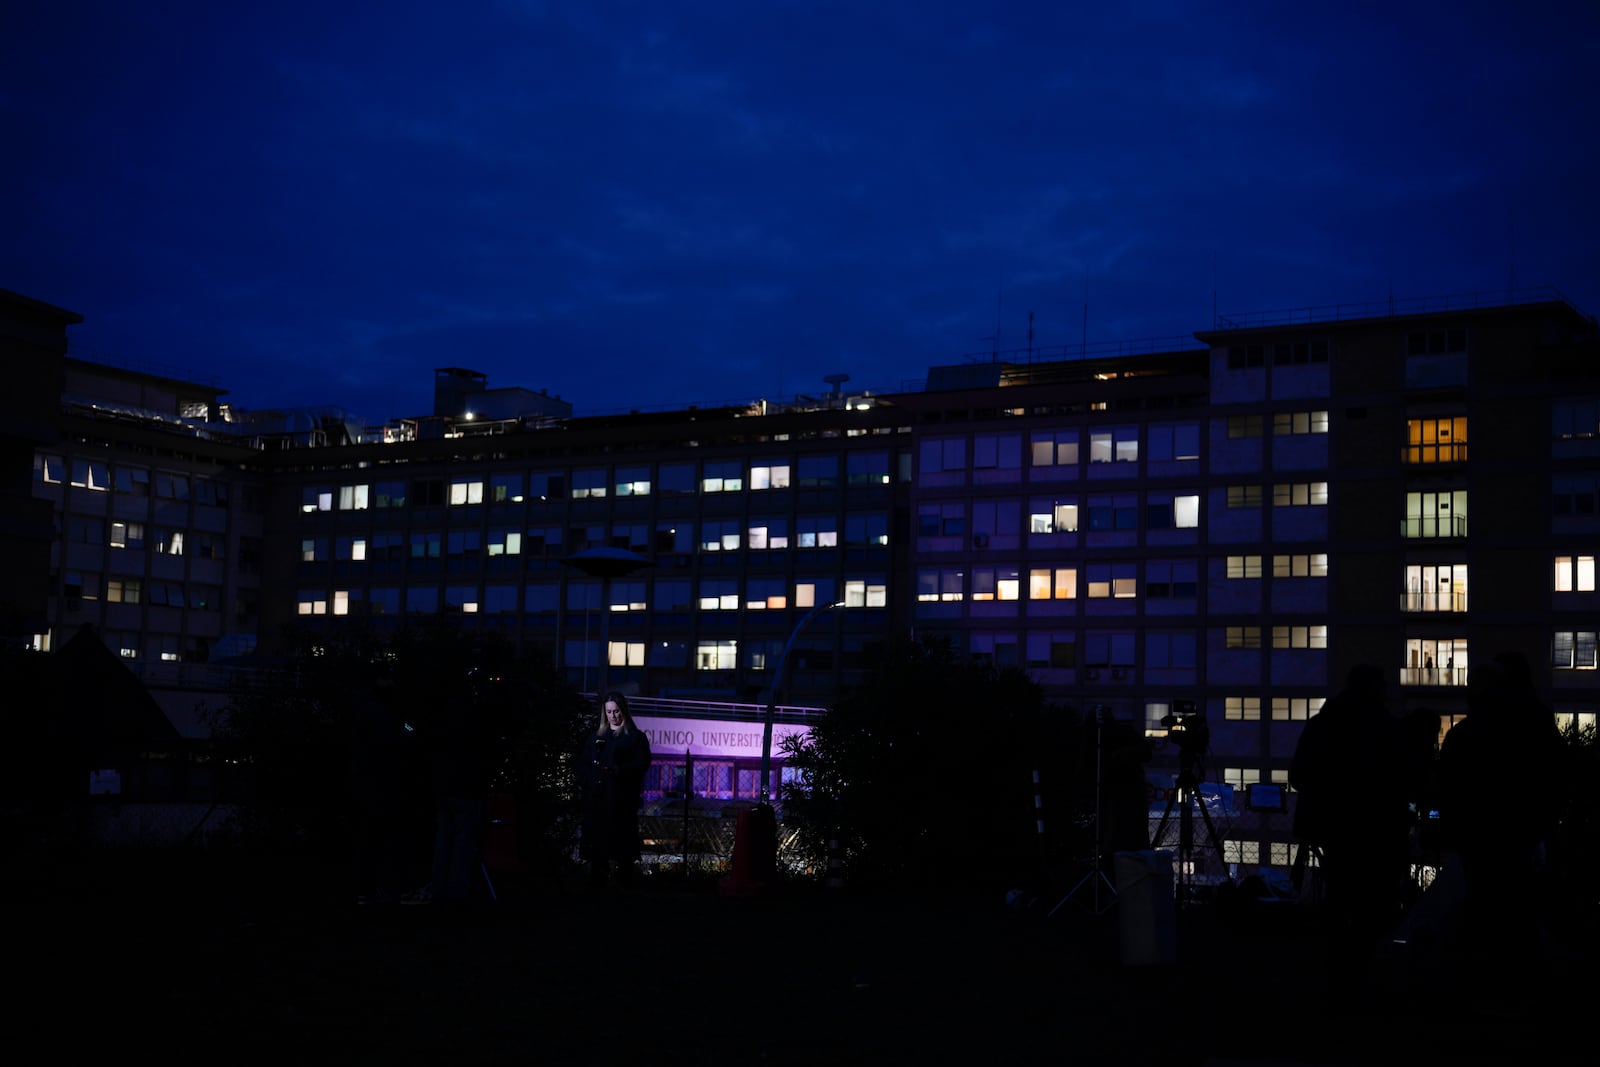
(1351, 778)
(1499, 790)
(379, 805)
(611, 772)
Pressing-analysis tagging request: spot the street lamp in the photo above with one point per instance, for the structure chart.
(606, 563)
(755, 839)
(772, 696)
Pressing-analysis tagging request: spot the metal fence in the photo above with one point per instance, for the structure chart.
(702, 844)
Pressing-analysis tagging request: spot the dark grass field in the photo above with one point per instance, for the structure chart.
(192, 953)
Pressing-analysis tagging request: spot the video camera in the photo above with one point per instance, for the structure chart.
(1187, 729)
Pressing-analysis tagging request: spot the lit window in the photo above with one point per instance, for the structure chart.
(1052, 516)
(1299, 637)
(1314, 565)
(940, 584)
(724, 477)
(91, 474)
(1244, 496)
(1299, 422)
(1300, 494)
(765, 593)
(1120, 445)
(1243, 637)
(716, 655)
(719, 594)
(1574, 574)
(1436, 514)
(769, 476)
(1057, 448)
(626, 653)
(809, 594)
(1573, 650)
(769, 533)
(633, 481)
(1244, 566)
(1295, 709)
(1053, 583)
(1436, 440)
(122, 590)
(718, 535)
(1243, 709)
(817, 531)
(873, 593)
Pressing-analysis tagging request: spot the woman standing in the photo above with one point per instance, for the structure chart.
(611, 774)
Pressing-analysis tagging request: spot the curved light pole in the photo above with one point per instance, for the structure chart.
(755, 840)
(772, 696)
(606, 563)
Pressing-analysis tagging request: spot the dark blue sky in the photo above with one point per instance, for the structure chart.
(646, 205)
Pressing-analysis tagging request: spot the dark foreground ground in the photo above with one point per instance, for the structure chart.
(181, 955)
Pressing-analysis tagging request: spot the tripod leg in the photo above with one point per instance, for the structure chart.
(1098, 877)
(1211, 831)
(1161, 827)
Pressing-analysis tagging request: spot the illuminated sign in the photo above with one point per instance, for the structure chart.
(712, 738)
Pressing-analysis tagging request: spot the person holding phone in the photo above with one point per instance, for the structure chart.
(611, 772)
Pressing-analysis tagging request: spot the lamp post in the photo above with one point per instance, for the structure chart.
(772, 696)
(606, 563)
(755, 840)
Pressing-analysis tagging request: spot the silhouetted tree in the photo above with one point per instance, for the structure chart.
(1575, 851)
(292, 727)
(926, 772)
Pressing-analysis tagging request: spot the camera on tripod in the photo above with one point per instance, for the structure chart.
(1186, 728)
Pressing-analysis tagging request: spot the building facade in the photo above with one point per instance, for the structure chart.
(1221, 529)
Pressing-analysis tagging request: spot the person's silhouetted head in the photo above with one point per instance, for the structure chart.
(1489, 691)
(1518, 673)
(1365, 680)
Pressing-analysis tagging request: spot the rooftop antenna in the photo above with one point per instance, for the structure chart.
(995, 353)
(1030, 337)
(1213, 288)
(1083, 349)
